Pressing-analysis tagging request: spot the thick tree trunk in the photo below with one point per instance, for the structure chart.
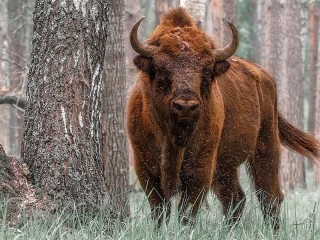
(62, 132)
(5, 176)
(114, 148)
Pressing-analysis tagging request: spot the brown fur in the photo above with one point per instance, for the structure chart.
(237, 121)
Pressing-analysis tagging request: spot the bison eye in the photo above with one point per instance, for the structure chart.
(163, 81)
(207, 78)
(163, 84)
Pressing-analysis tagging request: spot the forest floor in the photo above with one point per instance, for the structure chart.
(300, 220)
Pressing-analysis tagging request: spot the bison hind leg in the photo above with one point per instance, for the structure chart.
(264, 170)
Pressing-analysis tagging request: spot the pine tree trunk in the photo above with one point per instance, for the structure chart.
(114, 147)
(62, 132)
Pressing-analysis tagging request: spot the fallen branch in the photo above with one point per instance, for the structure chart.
(13, 98)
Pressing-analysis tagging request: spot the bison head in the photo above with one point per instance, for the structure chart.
(180, 63)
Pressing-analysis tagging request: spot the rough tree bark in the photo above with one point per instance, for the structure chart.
(113, 146)
(62, 132)
(197, 9)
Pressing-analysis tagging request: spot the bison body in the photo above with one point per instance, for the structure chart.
(196, 113)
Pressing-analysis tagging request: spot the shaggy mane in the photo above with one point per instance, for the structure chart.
(178, 33)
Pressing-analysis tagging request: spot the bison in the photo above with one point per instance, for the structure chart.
(196, 113)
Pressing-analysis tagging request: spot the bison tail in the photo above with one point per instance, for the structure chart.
(298, 140)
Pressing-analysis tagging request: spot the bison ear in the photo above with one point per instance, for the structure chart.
(221, 67)
(142, 63)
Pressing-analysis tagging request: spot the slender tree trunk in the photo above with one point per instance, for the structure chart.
(316, 165)
(4, 73)
(19, 25)
(62, 132)
(256, 23)
(114, 148)
(313, 60)
(197, 9)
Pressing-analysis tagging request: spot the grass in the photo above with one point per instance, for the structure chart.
(300, 220)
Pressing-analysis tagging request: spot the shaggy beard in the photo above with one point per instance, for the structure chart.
(182, 133)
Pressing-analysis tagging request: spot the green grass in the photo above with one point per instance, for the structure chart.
(300, 220)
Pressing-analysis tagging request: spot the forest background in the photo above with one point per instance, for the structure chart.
(283, 36)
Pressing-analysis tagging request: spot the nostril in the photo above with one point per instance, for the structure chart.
(177, 106)
(194, 106)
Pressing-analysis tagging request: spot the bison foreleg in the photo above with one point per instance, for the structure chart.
(196, 183)
(171, 163)
(228, 190)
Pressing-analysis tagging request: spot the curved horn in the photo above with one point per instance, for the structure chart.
(141, 48)
(231, 48)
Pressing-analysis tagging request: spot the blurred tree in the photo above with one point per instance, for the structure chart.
(4, 72)
(292, 169)
(313, 60)
(62, 132)
(197, 9)
(132, 13)
(282, 22)
(163, 5)
(15, 52)
(113, 145)
(249, 22)
(220, 11)
(160, 7)
(316, 165)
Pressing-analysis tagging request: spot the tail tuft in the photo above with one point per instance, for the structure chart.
(298, 140)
